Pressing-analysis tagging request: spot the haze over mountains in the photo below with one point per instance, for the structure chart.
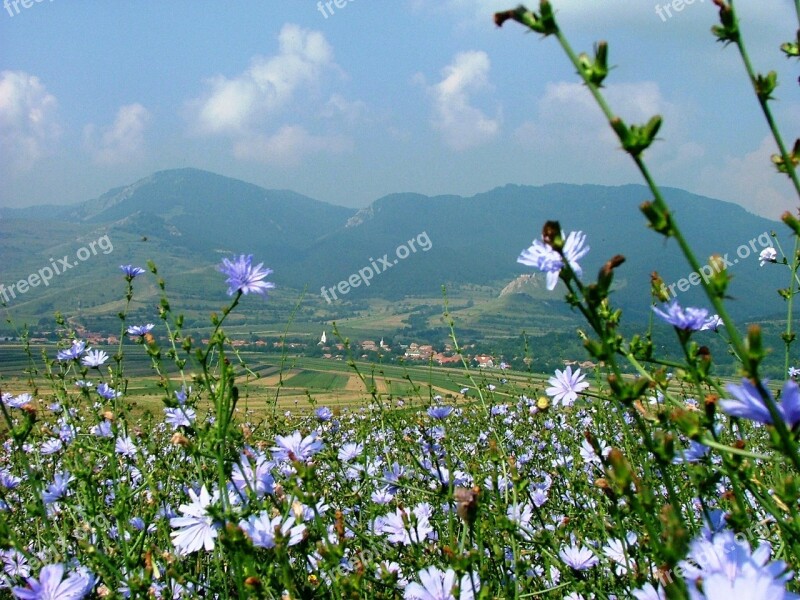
(187, 220)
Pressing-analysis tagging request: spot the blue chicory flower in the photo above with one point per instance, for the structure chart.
(244, 277)
(689, 319)
(747, 403)
(545, 258)
(131, 271)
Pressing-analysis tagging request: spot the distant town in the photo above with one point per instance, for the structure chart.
(323, 348)
(505, 354)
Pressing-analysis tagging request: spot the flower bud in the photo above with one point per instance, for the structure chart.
(551, 235)
(179, 439)
(790, 220)
(659, 218)
(467, 503)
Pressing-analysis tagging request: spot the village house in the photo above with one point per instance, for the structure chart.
(417, 352)
(446, 359)
(412, 352)
(484, 361)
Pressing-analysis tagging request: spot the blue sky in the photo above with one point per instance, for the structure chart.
(379, 97)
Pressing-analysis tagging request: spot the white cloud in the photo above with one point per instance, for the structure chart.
(247, 108)
(461, 124)
(232, 106)
(752, 181)
(572, 104)
(570, 128)
(289, 146)
(122, 141)
(571, 135)
(28, 122)
(338, 106)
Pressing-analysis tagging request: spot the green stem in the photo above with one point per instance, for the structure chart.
(659, 200)
(763, 102)
(788, 337)
(731, 450)
(790, 446)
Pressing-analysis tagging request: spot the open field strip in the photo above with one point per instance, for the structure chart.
(289, 383)
(298, 384)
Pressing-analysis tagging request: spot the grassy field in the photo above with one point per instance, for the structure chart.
(319, 380)
(272, 382)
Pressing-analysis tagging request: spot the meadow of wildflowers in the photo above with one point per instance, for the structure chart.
(674, 483)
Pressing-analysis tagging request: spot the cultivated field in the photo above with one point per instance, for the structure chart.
(272, 382)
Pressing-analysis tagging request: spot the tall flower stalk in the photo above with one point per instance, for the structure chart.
(592, 300)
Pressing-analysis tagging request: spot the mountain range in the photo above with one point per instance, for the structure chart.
(187, 220)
